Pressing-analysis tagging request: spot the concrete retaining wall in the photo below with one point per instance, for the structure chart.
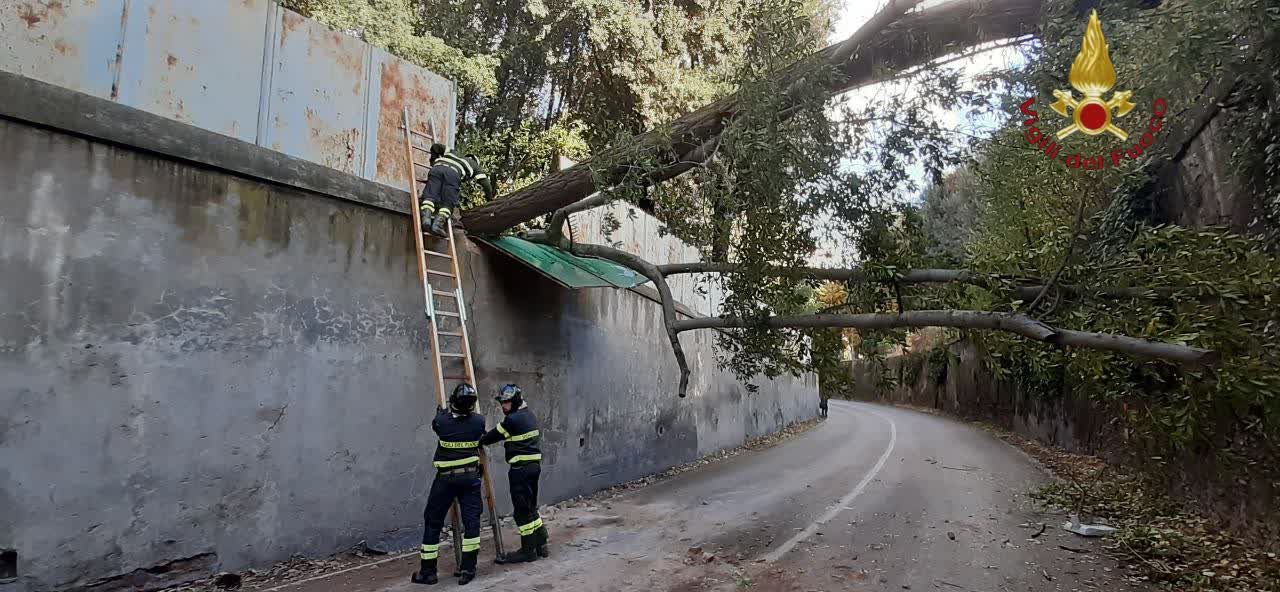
(201, 370)
(249, 70)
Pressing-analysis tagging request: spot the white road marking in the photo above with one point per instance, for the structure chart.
(844, 503)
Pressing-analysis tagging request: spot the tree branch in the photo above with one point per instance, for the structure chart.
(969, 319)
(1025, 292)
(1066, 259)
(960, 319)
(650, 271)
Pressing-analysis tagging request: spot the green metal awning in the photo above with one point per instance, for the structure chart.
(567, 269)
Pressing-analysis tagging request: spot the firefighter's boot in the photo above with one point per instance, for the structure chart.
(439, 224)
(528, 551)
(467, 569)
(426, 573)
(427, 213)
(541, 541)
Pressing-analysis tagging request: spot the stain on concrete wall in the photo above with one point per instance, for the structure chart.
(249, 69)
(205, 370)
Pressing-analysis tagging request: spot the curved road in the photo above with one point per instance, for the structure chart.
(875, 498)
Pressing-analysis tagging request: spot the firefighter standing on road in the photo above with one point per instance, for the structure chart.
(443, 192)
(519, 429)
(457, 463)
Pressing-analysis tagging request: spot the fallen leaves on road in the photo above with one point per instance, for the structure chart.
(1165, 542)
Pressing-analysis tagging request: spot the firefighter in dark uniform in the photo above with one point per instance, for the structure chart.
(443, 192)
(457, 463)
(519, 432)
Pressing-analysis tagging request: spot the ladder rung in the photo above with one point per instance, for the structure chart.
(421, 164)
(449, 355)
(446, 294)
(437, 254)
(443, 273)
(417, 147)
(448, 334)
(447, 377)
(445, 313)
(418, 133)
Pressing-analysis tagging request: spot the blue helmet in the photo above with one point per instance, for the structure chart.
(463, 399)
(510, 393)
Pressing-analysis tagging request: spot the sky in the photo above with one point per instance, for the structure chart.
(853, 15)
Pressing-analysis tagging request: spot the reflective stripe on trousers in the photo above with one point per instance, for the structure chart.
(530, 528)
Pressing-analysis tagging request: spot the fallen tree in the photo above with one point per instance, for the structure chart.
(706, 134)
(1017, 324)
(892, 41)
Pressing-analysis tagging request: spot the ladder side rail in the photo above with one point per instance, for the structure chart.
(429, 302)
(494, 522)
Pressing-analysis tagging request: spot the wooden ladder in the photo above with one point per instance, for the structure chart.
(446, 249)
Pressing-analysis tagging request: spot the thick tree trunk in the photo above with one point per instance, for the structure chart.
(887, 44)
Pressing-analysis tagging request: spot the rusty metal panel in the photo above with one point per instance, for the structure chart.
(196, 62)
(69, 43)
(319, 94)
(429, 98)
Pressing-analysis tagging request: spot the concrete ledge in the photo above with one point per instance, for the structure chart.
(34, 102)
(31, 101)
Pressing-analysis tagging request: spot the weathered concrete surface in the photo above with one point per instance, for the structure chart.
(194, 363)
(1204, 190)
(30, 100)
(595, 367)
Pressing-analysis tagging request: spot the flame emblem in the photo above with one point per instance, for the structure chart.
(1093, 74)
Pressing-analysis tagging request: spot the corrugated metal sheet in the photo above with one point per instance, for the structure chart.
(70, 43)
(567, 269)
(428, 97)
(244, 68)
(196, 62)
(318, 94)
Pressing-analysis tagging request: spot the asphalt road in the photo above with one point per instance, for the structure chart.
(875, 498)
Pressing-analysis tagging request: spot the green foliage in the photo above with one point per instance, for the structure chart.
(535, 145)
(398, 26)
(1206, 288)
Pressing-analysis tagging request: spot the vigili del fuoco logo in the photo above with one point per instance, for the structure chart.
(1094, 114)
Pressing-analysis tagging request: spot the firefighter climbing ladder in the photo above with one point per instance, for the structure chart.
(436, 314)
